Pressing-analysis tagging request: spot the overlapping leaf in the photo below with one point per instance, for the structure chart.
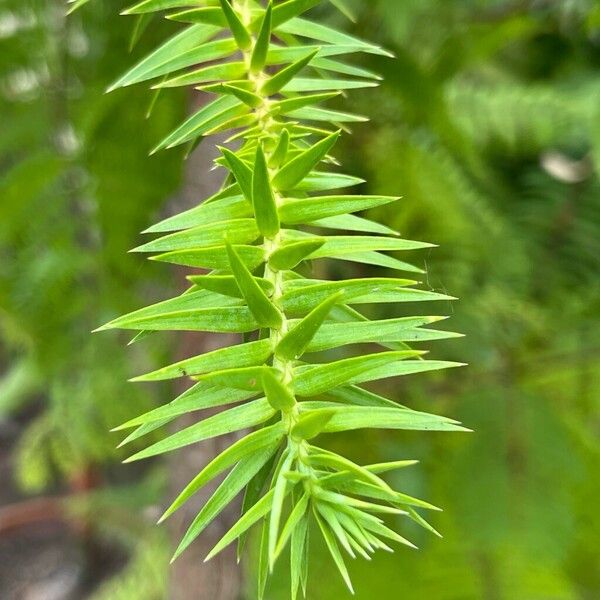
(270, 72)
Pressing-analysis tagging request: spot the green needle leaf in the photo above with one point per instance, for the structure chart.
(261, 48)
(358, 417)
(316, 379)
(208, 74)
(246, 96)
(312, 423)
(188, 218)
(290, 104)
(252, 494)
(227, 284)
(250, 239)
(356, 532)
(281, 150)
(217, 320)
(259, 510)
(355, 395)
(299, 556)
(344, 9)
(213, 257)
(278, 394)
(242, 355)
(199, 397)
(317, 31)
(209, 14)
(242, 37)
(330, 516)
(167, 57)
(388, 330)
(243, 378)
(200, 123)
(334, 550)
(237, 231)
(241, 171)
(290, 255)
(263, 559)
(279, 494)
(301, 296)
(294, 212)
(335, 461)
(340, 500)
(265, 313)
(234, 419)
(299, 167)
(417, 518)
(251, 444)
(382, 530)
(241, 474)
(295, 342)
(263, 199)
(294, 519)
(285, 11)
(368, 490)
(283, 77)
(221, 209)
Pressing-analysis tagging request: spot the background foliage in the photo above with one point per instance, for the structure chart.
(488, 125)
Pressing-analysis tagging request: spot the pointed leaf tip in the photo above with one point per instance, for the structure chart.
(240, 33)
(283, 77)
(294, 171)
(261, 48)
(297, 340)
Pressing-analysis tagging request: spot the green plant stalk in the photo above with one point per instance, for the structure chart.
(290, 416)
(236, 232)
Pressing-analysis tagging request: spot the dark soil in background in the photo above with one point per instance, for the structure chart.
(42, 555)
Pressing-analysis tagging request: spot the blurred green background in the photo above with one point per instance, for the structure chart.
(488, 124)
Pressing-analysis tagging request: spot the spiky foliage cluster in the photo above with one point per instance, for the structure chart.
(473, 116)
(269, 70)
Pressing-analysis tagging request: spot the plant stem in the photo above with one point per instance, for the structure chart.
(271, 245)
